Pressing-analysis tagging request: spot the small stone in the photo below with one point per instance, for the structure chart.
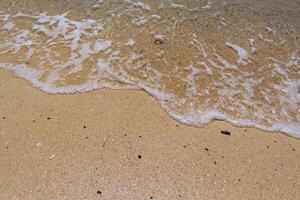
(225, 132)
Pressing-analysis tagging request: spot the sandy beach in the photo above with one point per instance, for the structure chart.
(63, 136)
(112, 144)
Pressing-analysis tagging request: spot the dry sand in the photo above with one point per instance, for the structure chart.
(121, 145)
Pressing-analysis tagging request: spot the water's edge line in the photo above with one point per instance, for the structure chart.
(165, 109)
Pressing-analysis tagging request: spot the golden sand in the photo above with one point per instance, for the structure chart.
(120, 144)
(111, 144)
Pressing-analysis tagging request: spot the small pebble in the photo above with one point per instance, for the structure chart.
(225, 132)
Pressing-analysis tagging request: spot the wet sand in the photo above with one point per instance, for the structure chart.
(112, 144)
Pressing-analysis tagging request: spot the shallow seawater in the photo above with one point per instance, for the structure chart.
(231, 60)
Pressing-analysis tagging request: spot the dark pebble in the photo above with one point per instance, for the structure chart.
(226, 132)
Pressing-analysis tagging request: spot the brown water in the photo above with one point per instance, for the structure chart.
(202, 60)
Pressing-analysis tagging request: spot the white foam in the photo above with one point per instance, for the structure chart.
(112, 63)
(176, 5)
(253, 49)
(130, 42)
(207, 6)
(159, 37)
(156, 16)
(140, 20)
(139, 4)
(103, 65)
(243, 54)
(102, 45)
(269, 29)
(204, 118)
(8, 26)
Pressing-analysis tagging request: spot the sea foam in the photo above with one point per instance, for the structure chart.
(196, 75)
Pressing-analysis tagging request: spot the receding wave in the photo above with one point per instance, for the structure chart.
(200, 60)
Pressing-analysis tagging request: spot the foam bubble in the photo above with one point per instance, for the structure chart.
(243, 54)
(102, 45)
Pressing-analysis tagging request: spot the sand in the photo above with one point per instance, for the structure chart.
(112, 144)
